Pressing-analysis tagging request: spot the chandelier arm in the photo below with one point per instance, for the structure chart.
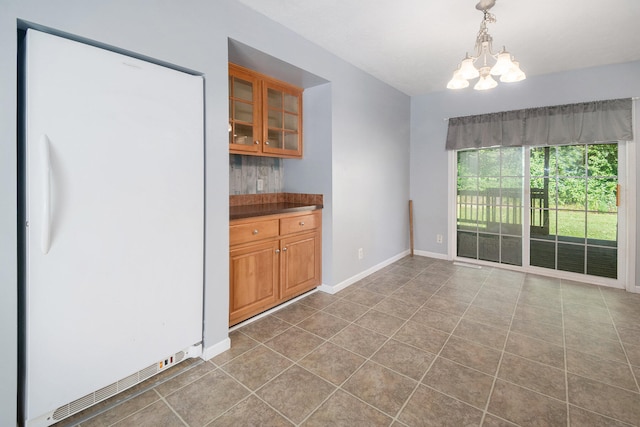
(504, 61)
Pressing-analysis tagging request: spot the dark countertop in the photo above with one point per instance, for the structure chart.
(249, 211)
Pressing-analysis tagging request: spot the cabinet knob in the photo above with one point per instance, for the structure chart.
(301, 223)
(257, 142)
(277, 251)
(266, 142)
(255, 232)
(284, 249)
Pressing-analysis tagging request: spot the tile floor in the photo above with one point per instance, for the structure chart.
(420, 343)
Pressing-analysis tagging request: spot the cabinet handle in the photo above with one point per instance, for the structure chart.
(266, 142)
(284, 249)
(255, 232)
(301, 223)
(277, 251)
(257, 142)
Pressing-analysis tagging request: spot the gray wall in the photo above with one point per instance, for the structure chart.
(429, 168)
(360, 153)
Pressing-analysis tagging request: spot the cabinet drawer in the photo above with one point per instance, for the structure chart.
(252, 231)
(299, 223)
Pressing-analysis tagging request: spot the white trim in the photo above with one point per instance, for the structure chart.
(433, 255)
(274, 309)
(525, 250)
(452, 191)
(627, 242)
(629, 197)
(350, 281)
(214, 350)
(547, 272)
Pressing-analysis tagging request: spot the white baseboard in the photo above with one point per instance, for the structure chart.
(432, 255)
(214, 350)
(350, 281)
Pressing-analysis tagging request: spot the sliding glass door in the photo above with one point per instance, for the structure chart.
(574, 214)
(571, 209)
(490, 204)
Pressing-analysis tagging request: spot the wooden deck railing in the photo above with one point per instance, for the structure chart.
(500, 206)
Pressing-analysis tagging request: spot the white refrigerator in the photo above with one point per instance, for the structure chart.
(113, 182)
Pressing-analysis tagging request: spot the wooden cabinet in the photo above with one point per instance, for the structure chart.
(265, 115)
(272, 259)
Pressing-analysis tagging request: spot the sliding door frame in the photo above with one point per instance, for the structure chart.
(626, 279)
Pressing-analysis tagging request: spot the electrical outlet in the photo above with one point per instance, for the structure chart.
(360, 253)
(260, 185)
(439, 238)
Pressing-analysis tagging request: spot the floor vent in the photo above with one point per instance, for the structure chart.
(111, 390)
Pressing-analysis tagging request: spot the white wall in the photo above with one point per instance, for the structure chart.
(429, 169)
(312, 174)
(364, 166)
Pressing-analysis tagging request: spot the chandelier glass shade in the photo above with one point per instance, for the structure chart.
(485, 63)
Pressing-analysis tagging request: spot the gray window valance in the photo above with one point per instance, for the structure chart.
(597, 121)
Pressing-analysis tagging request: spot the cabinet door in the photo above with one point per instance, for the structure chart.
(282, 119)
(253, 277)
(244, 112)
(301, 263)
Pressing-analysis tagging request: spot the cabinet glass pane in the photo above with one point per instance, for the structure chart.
(243, 112)
(243, 134)
(275, 119)
(242, 89)
(275, 139)
(274, 98)
(290, 121)
(290, 103)
(291, 141)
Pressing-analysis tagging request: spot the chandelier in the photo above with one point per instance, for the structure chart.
(488, 63)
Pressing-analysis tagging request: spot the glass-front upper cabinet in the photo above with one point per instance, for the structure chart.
(265, 115)
(245, 132)
(283, 119)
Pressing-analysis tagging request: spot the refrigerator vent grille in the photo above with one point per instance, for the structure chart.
(110, 390)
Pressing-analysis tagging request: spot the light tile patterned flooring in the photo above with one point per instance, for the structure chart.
(420, 343)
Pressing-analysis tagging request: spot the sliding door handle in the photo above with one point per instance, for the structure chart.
(45, 158)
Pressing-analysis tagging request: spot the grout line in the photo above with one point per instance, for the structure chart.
(406, 402)
(615, 328)
(151, 386)
(450, 272)
(564, 352)
(504, 346)
(171, 408)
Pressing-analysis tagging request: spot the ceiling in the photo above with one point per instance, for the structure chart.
(414, 45)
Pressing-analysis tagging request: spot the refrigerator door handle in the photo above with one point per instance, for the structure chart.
(46, 194)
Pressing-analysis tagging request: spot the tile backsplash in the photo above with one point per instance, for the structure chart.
(245, 171)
